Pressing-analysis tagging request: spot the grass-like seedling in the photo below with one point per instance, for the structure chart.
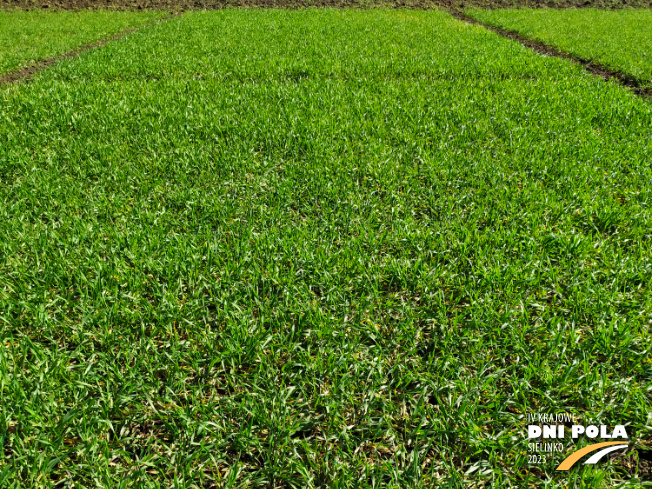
(617, 39)
(319, 249)
(30, 36)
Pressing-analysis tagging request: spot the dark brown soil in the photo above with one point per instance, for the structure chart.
(180, 5)
(608, 74)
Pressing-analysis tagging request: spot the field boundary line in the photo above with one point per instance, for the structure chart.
(628, 81)
(26, 73)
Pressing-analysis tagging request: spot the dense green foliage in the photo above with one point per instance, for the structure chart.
(318, 248)
(26, 37)
(618, 39)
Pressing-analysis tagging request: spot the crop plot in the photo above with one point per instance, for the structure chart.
(617, 39)
(315, 249)
(30, 36)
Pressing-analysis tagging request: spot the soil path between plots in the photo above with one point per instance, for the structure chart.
(628, 81)
(24, 74)
(592, 67)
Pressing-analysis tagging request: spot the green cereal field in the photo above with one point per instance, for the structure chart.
(618, 39)
(31, 36)
(322, 248)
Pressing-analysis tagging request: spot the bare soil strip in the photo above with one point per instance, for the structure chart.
(628, 81)
(176, 5)
(26, 73)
